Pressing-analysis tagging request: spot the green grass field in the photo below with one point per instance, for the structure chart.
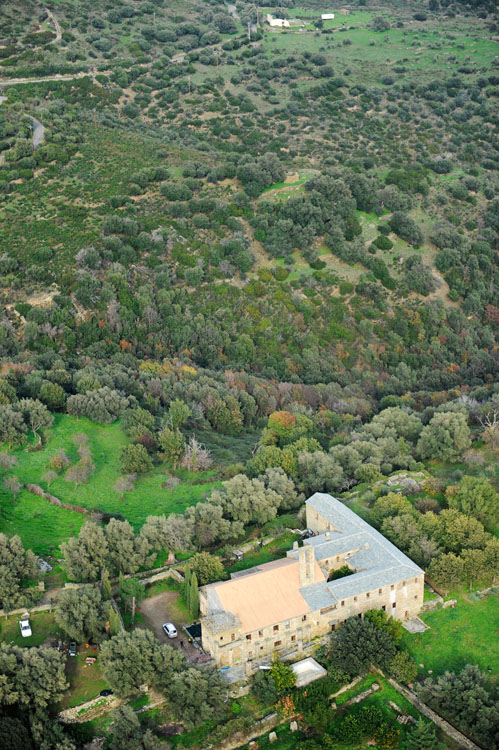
(43, 627)
(370, 55)
(43, 526)
(85, 682)
(466, 634)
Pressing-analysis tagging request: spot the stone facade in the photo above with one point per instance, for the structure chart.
(282, 606)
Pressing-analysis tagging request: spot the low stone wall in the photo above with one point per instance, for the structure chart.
(168, 573)
(29, 610)
(261, 727)
(90, 710)
(361, 696)
(345, 688)
(35, 489)
(431, 604)
(458, 737)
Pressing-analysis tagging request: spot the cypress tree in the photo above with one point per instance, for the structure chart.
(187, 585)
(105, 585)
(194, 597)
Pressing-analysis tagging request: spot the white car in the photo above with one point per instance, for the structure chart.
(170, 629)
(25, 628)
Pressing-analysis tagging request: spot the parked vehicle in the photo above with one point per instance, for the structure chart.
(107, 691)
(170, 629)
(72, 649)
(25, 628)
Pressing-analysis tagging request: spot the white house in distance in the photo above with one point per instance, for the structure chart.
(327, 16)
(282, 23)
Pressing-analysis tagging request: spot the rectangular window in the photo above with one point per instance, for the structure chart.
(260, 633)
(276, 628)
(277, 643)
(392, 587)
(304, 618)
(368, 595)
(380, 591)
(355, 599)
(394, 605)
(343, 603)
(248, 637)
(384, 607)
(293, 637)
(233, 637)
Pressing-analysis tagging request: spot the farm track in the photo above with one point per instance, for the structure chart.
(58, 30)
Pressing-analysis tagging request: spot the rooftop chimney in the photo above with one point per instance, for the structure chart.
(306, 561)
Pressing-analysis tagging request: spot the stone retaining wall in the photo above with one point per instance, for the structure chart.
(458, 737)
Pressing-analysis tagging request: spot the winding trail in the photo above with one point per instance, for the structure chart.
(58, 30)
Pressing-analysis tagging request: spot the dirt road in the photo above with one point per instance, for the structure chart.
(163, 608)
(58, 30)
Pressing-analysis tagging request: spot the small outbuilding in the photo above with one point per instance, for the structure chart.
(307, 671)
(327, 16)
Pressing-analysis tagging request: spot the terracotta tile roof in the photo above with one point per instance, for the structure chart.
(268, 595)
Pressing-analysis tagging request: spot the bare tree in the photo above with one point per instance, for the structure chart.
(81, 472)
(80, 439)
(84, 452)
(59, 461)
(196, 457)
(49, 476)
(12, 484)
(7, 461)
(125, 484)
(490, 423)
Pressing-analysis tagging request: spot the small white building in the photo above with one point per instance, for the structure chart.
(327, 16)
(282, 23)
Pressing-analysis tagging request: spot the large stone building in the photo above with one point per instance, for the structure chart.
(282, 605)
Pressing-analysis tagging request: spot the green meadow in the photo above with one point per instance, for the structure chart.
(43, 526)
(466, 634)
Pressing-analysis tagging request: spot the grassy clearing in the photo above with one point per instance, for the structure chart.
(380, 698)
(42, 527)
(85, 682)
(370, 55)
(43, 627)
(466, 634)
(105, 442)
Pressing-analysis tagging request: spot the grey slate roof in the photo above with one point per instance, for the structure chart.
(221, 621)
(378, 562)
(318, 595)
